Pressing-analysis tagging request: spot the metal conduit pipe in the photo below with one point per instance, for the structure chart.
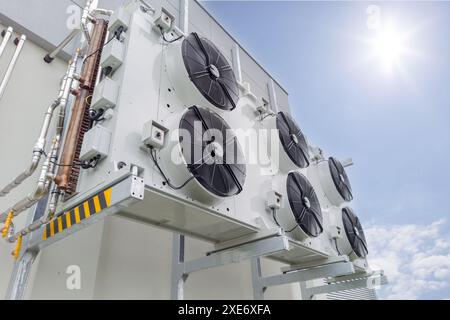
(89, 12)
(46, 178)
(12, 64)
(6, 36)
(44, 181)
(52, 55)
(100, 11)
(39, 146)
(85, 20)
(43, 187)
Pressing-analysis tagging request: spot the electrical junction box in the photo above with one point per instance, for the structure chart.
(165, 21)
(120, 18)
(335, 232)
(105, 95)
(263, 108)
(154, 134)
(96, 143)
(113, 55)
(274, 200)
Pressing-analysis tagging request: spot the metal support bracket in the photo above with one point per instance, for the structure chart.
(181, 269)
(123, 189)
(307, 272)
(91, 208)
(270, 244)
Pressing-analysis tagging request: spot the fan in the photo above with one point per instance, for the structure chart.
(301, 215)
(334, 181)
(210, 72)
(356, 240)
(294, 143)
(340, 179)
(293, 140)
(212, 156)
(304, 204)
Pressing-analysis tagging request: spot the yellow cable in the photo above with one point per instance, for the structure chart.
(8, 222)
(16, 252)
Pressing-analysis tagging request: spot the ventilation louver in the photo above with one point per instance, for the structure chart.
(210, 72)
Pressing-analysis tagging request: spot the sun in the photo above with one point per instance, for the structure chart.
(389, 48)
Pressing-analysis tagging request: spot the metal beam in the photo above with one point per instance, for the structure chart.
(314, 263)
(244, 252)
(184, 16)
(18, 281)
(340, 268)
(123, 193)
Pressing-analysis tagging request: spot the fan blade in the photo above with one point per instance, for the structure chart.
(227, 94)
(202, 47)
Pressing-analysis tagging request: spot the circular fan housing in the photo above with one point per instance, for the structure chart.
(216, 162)
(353, 243)
(293, 152)
(203, 150)
(334, 181)
(210, 72)
(199, 74)
(301, 215)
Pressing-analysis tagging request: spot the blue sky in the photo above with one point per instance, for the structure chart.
(393, 124)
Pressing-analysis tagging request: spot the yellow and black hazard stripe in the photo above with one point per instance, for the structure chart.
(74, 216)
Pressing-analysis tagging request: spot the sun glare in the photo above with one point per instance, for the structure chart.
(389, 48)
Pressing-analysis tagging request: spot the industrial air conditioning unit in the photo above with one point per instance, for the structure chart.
(171, 108)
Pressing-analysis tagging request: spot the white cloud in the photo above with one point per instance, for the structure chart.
(416, 258)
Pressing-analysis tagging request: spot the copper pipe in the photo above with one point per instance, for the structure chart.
(88, 74)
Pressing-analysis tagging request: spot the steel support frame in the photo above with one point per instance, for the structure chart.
(181, 269)
(253, 250)
(311, 271)
(21, 271)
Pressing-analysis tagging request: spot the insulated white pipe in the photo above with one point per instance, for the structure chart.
(12, 65)
(6, 38)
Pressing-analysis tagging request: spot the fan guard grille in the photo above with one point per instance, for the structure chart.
(210, 72)
(340, 179)
(354, 232)
(293, 140)
(219, 166)
(304, 204)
